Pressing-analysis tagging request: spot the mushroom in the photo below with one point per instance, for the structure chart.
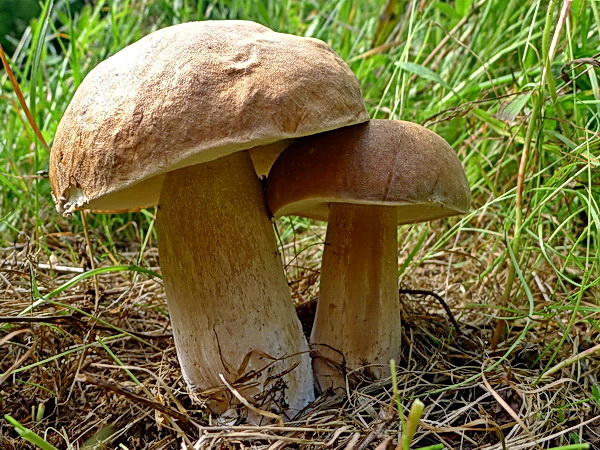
(365, 180)
(173, 120)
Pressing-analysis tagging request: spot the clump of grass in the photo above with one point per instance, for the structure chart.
(514, 90)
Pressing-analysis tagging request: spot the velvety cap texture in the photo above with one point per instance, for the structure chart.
(382, 162)
(189, 94)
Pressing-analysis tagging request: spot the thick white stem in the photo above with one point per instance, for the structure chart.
(358, 314)
(228, 299)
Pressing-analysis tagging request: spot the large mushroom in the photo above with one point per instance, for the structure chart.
(365, 180)
(170, 120)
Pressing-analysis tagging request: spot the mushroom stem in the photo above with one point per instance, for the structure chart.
(228, 298)
(358, 314)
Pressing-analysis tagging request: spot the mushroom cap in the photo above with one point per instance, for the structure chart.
(189, 94)
(382, 162)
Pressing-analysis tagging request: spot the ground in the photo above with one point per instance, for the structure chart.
(76, 373)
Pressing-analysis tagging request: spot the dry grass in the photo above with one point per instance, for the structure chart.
(78, 374)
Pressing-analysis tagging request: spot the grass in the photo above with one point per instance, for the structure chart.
(512, 85)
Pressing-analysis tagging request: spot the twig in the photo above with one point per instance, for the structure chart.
(22, 102)
(58, 268)
(571, 360)
(247, 404)
(71, 318)
(86, 378)
(578, 62)
(17, 363)
(511, 412)
(44, 266)
(439, 299)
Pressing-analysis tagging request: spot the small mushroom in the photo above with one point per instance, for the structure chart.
(365, 180)
(173, 119)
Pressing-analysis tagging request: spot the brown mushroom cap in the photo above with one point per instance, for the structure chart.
(188, 94)
(381, 162)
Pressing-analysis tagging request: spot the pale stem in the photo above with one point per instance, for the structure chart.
(228, 298)
(358, 313)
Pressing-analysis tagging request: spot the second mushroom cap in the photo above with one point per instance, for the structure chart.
(381, 162)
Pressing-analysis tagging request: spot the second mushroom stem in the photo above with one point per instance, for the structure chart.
(228, 298)
(358, 313)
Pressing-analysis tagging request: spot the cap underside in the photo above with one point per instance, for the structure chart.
(407, 212)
